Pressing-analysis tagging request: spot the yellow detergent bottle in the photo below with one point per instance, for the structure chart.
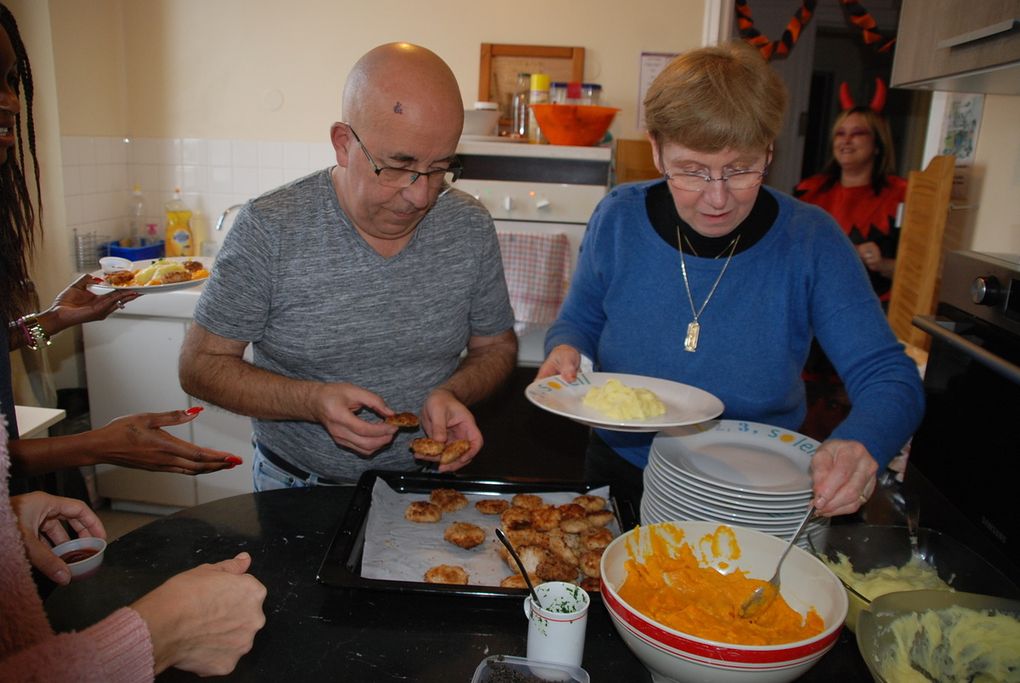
(179, 238)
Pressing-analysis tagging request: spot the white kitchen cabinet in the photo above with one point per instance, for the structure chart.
(131, 365)
(225, 431)
(959, 46)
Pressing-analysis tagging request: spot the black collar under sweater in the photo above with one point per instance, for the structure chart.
(664, 218)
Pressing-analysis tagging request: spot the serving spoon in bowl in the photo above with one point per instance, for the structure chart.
(762, 596)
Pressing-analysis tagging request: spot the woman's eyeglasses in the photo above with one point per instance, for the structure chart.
(399, 178)
(699, 182)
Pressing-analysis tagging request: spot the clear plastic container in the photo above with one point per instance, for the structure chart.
(591, 93)
(558, 92)
(499, 668)
(519, 105)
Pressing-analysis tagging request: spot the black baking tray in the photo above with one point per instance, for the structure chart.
(341, 566)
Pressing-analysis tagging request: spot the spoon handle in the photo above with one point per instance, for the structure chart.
(520, 565)
(796, 534)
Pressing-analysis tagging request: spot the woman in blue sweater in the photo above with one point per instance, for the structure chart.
(706, 278)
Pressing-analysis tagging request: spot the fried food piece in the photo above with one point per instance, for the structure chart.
(546, 518)
(590, 503)
(573, 541)
(528, 501)
(454, 450)
(514, 518)
(531, 557)
(193, 266)
(403, 421)
(596, 539)
(423, 512)
(597, 518)
(120, 278)
(464, 535)
(572, 518)
(448, 500)
(528, 537)
(447, 573)
(517, 581)
(176, 276)
(492, 506)
(558, 546)
(554, 569)
(590, 564)
(592, 585)
(426, 446)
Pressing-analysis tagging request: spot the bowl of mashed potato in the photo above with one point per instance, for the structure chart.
(940, 636)
(673, 591)
(874, 560)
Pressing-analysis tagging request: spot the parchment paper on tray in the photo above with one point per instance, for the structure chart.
(399, 550)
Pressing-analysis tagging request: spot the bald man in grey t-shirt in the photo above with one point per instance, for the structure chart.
(364, 289)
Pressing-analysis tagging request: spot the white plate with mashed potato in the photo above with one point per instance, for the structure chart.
(151, 276)
(622, 402)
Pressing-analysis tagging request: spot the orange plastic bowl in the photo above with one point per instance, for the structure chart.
(581, 125)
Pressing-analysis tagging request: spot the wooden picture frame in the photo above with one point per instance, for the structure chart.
(500, 64)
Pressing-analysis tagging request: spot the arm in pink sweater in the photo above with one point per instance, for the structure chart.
(117, 650)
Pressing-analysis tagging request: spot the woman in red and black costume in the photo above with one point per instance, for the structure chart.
(858, 186)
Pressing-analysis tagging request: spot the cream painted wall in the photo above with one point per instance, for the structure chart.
(996, 221)
(208, 69)
(91, 72)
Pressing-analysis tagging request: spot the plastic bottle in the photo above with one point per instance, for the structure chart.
(179, 238)
(136, 218)
(519, 104)
(539, 95)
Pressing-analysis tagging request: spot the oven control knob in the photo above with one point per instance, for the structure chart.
(508, 203)
(986, 290)
(541, 203)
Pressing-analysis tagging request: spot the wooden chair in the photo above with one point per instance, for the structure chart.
(922, 245)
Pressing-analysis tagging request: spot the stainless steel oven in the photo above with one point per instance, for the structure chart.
(968, 445)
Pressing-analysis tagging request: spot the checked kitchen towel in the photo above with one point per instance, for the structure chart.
(537, 268)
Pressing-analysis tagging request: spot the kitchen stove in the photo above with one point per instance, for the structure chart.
(540, 189)
(969, 440)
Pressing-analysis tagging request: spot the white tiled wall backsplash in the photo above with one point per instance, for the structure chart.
(100, 172)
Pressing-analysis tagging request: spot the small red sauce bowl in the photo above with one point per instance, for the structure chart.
(82, 555)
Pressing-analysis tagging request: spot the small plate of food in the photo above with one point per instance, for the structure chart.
(622, 402)
(154, 275)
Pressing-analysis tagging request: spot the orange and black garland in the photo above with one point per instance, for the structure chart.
(858, 16)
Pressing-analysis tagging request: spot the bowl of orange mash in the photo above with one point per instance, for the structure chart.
(674, 589)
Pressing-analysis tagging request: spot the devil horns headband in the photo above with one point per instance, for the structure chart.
(846, 101)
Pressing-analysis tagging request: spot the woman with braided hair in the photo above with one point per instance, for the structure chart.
(201, 620)
(859, 188)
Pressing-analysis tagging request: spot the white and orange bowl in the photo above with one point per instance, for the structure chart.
(672, 655)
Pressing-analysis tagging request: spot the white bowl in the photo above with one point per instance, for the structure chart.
(674, 655)
(480, 122)
(112, 264)
(96, 547)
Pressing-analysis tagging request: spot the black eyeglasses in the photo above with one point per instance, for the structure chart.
(699, 182)
(399, 178)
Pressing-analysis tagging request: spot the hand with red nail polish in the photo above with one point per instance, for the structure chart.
(137, 441)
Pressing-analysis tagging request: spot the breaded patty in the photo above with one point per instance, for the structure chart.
(464, 535)
(447, 573)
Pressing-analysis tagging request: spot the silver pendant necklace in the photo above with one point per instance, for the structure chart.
(694, 328)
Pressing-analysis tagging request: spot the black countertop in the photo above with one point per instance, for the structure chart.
(316, 632)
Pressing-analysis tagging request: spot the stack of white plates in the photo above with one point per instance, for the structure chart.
(733, 472)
